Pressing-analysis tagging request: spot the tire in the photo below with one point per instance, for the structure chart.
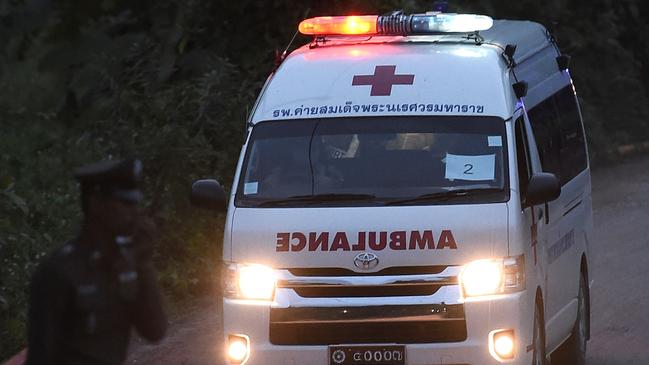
(573, 351)
(538, 335)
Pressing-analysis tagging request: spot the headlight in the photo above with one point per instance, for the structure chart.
(491, 277)
(249, 281)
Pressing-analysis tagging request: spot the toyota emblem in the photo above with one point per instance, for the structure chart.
(366, 261)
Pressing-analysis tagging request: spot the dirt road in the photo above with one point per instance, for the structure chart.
(619, 268)
(620, 265)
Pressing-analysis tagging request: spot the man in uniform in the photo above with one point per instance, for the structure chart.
(87, 296)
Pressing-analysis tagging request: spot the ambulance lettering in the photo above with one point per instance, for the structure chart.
(375, 241)
(350, 108)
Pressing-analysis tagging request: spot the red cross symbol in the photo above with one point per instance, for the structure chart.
(382, 80)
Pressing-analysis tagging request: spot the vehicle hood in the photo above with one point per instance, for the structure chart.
(399, 236)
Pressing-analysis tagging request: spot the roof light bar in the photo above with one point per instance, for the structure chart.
(434, 23)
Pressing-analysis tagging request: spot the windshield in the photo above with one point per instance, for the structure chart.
(374, 161)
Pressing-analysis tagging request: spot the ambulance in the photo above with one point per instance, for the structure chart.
(413, 189)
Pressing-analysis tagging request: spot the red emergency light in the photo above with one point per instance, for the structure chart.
(418, 24)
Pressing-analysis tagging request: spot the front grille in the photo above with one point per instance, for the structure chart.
(372, 324)
(350, 291)
(395, 270)
(329, 306)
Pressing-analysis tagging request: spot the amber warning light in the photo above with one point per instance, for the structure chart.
(431, 23)
(340, 25)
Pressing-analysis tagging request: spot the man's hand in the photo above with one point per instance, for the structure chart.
(146, 234)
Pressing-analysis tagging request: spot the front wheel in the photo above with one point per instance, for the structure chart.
(538, 354)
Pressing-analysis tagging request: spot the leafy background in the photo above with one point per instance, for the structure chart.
(171, 81)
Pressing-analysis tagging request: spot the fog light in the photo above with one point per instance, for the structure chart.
(238, 349)
(501, 344)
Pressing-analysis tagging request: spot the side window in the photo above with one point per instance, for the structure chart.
(523, 157)
(544, 119)
(573, 143)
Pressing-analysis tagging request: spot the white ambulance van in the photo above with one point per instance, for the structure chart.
(413, 189)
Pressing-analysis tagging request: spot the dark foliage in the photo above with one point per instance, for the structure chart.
(171, 81)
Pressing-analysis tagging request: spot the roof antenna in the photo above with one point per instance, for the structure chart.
(563, 59)
(510, 50)
(280, 57)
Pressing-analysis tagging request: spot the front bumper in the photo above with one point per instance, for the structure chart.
(511, 311)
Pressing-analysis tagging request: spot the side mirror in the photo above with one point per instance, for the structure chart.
(208, 194)
(543, 187)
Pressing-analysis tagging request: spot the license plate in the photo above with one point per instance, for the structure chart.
(367, 355)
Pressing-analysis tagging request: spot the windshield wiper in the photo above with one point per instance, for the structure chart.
(318, 198)
(445, 195)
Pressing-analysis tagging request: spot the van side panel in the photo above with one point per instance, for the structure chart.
(520, 238)
(569, 216)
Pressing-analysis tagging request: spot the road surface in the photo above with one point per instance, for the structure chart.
(619, 267)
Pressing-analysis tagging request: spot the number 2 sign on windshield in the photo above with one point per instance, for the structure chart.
(472, 168)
